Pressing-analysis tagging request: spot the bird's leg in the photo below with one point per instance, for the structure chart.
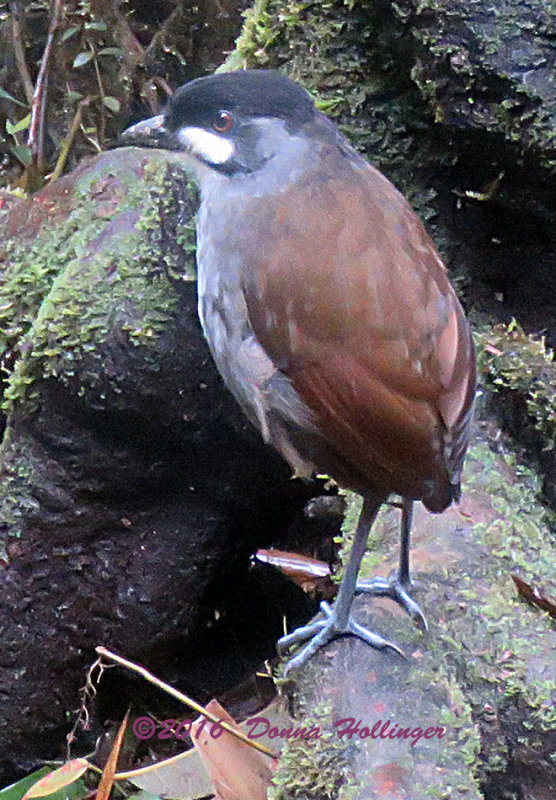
(397, 586)
(337, 620)
(404, 578)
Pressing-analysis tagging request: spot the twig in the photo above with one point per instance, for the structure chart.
(164, 85)
(19, 50)
(101, 92)
(68, 141)
(35, 140)
(148, 676)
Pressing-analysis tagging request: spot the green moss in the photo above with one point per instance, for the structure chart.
(515, 364)
(104, 273)
(256, 36)
(315, 769)
(512, 633)
(32, 268)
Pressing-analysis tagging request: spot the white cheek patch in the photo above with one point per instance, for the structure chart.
(206, 145)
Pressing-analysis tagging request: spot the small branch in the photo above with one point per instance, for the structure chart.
(19, 50)
(68, 141)
(35, 140)
(102, 95)
(165, 687)
(158, 80)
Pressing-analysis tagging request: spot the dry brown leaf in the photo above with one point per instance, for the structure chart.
(107, 780)
(183, 776)
(237, 771)
(534, 595)
(309, 573)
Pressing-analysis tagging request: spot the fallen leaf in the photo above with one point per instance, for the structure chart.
(107, 779)
(237, 771)
(183, 777)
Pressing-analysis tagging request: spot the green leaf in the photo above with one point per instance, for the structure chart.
(96, 25)
(22, 125)
(112, 103)
(6, 96)
(67, 34)
(82, 58)
(56, 780)
(73, 96)
(110, 51)
(23, 154)
(16, 790)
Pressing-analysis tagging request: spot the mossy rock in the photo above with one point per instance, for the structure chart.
(94, 268)
(519, 374)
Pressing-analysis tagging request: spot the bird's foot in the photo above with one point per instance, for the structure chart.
(399, 592)
(323, 631)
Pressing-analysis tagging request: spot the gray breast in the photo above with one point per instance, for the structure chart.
(264, 393)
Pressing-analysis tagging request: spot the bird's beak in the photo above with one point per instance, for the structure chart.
(147, 133)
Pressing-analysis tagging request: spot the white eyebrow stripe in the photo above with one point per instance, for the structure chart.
(206, 145)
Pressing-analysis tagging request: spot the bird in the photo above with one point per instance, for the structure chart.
(328, 312)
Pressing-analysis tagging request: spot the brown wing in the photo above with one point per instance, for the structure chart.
(354, 305)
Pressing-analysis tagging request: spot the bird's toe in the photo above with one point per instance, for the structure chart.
(396, 591)
(323, 631)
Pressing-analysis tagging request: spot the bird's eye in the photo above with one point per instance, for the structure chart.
(223, 121)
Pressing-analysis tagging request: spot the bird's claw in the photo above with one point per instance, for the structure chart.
(299, 635)
(323, 631)
(396, 591)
